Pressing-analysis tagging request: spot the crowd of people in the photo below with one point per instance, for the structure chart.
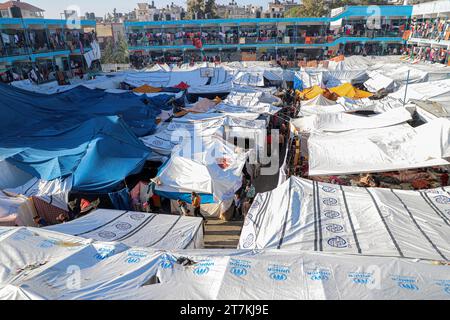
(256, 35)
(436, 29)
(429, 54)
(34, 40)
(212, 37)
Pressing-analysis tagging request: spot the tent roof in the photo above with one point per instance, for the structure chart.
(147, 89)
(338, 122)
(137, 229)
(198, 168)
(349, 91)
(379, 150)
(115, 271)
(305, 215)
(319, 100)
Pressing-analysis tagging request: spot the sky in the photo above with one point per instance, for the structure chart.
(54, 8)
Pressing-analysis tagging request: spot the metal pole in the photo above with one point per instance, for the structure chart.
(406, 88)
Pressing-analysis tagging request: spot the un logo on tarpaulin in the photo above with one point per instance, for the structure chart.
(408, 286)
(239, 272)
(278, 276)
(201, 271)
(166, 264)
(442, 199)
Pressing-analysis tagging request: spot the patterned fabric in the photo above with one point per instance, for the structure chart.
(47, 211)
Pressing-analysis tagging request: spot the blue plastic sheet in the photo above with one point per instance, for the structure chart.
(121, 199)
(78, 105)
(83, 133)
(98, 153)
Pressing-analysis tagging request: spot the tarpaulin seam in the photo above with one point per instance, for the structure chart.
(102, 226)
(283, 230)
(418, 226)
(434, 207)
(385, 224)
(165, 235)
(319, 215)
(351, 221)
(139, 228)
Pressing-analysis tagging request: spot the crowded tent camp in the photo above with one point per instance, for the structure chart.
(228, 180)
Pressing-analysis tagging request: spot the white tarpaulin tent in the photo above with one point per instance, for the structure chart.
(378, 150)
(79, 269)
(137, 229)
(306, 215)
(100, 82)
(295, 276)
(338, 122)
(310, 77)
(335, 78)
(321, 105)
(16, 211)
(378, 81)
(438, 91)
(211, 166)
(55, 192)
(160, 79)
(185, 129)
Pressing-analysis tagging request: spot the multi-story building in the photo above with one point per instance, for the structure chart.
(234, 11)
(18, 9)
(277, 8)
(293, 38)
(429, 35)
(149, 12)
(45, 44)
(109, 32)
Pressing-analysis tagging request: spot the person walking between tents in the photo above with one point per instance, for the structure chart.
(237, 214)
(182, 207)
(196, 204)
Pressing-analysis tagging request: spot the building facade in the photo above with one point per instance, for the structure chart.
(277, 8)
(109, 32)
(429, 35)
(18, 9)
(45, 44)
(265, 38)
(149, 12)
(234, 11)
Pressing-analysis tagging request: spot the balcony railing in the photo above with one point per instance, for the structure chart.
(144, 41)
(33, 45)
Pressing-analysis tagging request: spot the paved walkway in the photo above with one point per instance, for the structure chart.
(225, 235)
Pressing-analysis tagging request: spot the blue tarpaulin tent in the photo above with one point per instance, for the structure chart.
(80, 104)
(98, 154)
(298, 83)
(83, 133)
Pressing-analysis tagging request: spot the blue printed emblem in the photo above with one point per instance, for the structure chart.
(249, 241)
(442, 199)
(238, 272)
(278, 276)
(330, 201)
(332, 214)
(337, 242)
(107, 235)
(123, 226)
(335, 228)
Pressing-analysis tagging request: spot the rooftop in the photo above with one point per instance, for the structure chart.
(21, 5)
